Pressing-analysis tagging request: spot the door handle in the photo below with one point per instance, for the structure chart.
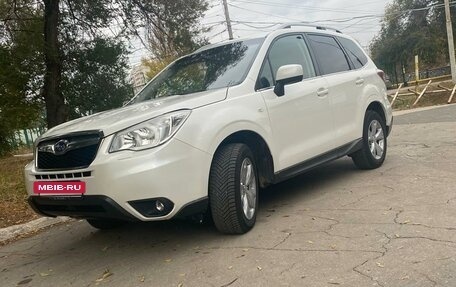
(322, 92)
(359, 81)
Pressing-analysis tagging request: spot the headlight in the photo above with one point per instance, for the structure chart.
(149, 134)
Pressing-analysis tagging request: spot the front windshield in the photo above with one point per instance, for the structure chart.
(214, 68)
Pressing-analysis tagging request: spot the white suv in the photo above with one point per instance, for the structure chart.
(213, 128)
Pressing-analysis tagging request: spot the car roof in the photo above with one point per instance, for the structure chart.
(282, 29)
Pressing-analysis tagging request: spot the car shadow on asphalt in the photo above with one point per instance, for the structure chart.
(292, 191)
(183, 241)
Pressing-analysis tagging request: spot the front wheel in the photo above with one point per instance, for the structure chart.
(373, 153)
(233, 189)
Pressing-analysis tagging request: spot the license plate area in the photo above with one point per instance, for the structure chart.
(59, 187)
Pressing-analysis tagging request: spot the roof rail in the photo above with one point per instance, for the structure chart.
(304, 24)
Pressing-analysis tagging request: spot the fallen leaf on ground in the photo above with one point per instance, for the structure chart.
(380, 265)
(105, 275)
(42, 274)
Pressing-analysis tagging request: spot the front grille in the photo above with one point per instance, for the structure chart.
(81, 149)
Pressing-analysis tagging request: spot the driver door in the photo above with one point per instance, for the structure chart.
(301, 120)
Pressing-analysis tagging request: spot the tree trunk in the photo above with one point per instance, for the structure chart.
(396, 78)
(55, 104)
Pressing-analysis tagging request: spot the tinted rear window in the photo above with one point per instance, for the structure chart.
(355, 53)
(329, 54)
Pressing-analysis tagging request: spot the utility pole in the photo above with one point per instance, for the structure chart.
(228, 21)
(450, 40)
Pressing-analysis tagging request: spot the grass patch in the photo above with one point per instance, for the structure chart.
(14, 208)
(404, 102)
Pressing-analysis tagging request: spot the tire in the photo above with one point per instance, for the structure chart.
(365, 158)
(105, 224)
(226, 196)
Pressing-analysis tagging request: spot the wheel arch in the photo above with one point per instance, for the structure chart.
(260, 149)
(376, 106)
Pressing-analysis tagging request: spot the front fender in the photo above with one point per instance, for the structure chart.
(208, 126)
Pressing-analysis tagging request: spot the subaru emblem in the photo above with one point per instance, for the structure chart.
(60, 147)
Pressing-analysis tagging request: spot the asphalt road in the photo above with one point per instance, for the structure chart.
(334, 226)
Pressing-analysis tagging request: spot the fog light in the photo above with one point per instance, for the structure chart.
(159, 205)
(153, 207)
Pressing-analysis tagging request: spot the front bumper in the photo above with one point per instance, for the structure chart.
(174, 171)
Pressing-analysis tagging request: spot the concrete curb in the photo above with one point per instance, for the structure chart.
(404, 112)
(9, 233)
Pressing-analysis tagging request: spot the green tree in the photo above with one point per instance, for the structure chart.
(69, 25)
(170, 39)
(94, 77)
(21, 70)
(411, 27)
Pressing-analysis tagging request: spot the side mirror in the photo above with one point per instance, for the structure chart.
(286, 75)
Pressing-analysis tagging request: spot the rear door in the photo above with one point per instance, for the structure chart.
(345, 85)
(301, 120)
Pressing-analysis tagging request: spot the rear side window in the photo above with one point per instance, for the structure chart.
(355, 53)
(329, 54)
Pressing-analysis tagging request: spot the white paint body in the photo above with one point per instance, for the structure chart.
(314, 116)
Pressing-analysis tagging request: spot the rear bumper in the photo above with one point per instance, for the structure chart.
(390, 127)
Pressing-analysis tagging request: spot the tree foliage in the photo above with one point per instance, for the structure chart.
(176, 35)
(67, 58)
(409, 28)
(21, 70)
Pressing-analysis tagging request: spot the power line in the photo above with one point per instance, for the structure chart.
(314, 8)
(263, 13)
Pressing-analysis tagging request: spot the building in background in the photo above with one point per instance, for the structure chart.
(138, 78)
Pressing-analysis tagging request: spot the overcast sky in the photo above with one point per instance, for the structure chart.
(357, 18)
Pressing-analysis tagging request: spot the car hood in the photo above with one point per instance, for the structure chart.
(115, 120)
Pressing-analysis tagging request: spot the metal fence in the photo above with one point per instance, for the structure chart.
(25, 137)
(429, 73)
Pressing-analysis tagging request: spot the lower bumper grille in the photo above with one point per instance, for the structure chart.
(90, 206)
(64, 175)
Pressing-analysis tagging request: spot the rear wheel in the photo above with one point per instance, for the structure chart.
(373, 153)
(105, 224)
(233, 189)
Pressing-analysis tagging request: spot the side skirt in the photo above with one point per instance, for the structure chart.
(318, 160)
